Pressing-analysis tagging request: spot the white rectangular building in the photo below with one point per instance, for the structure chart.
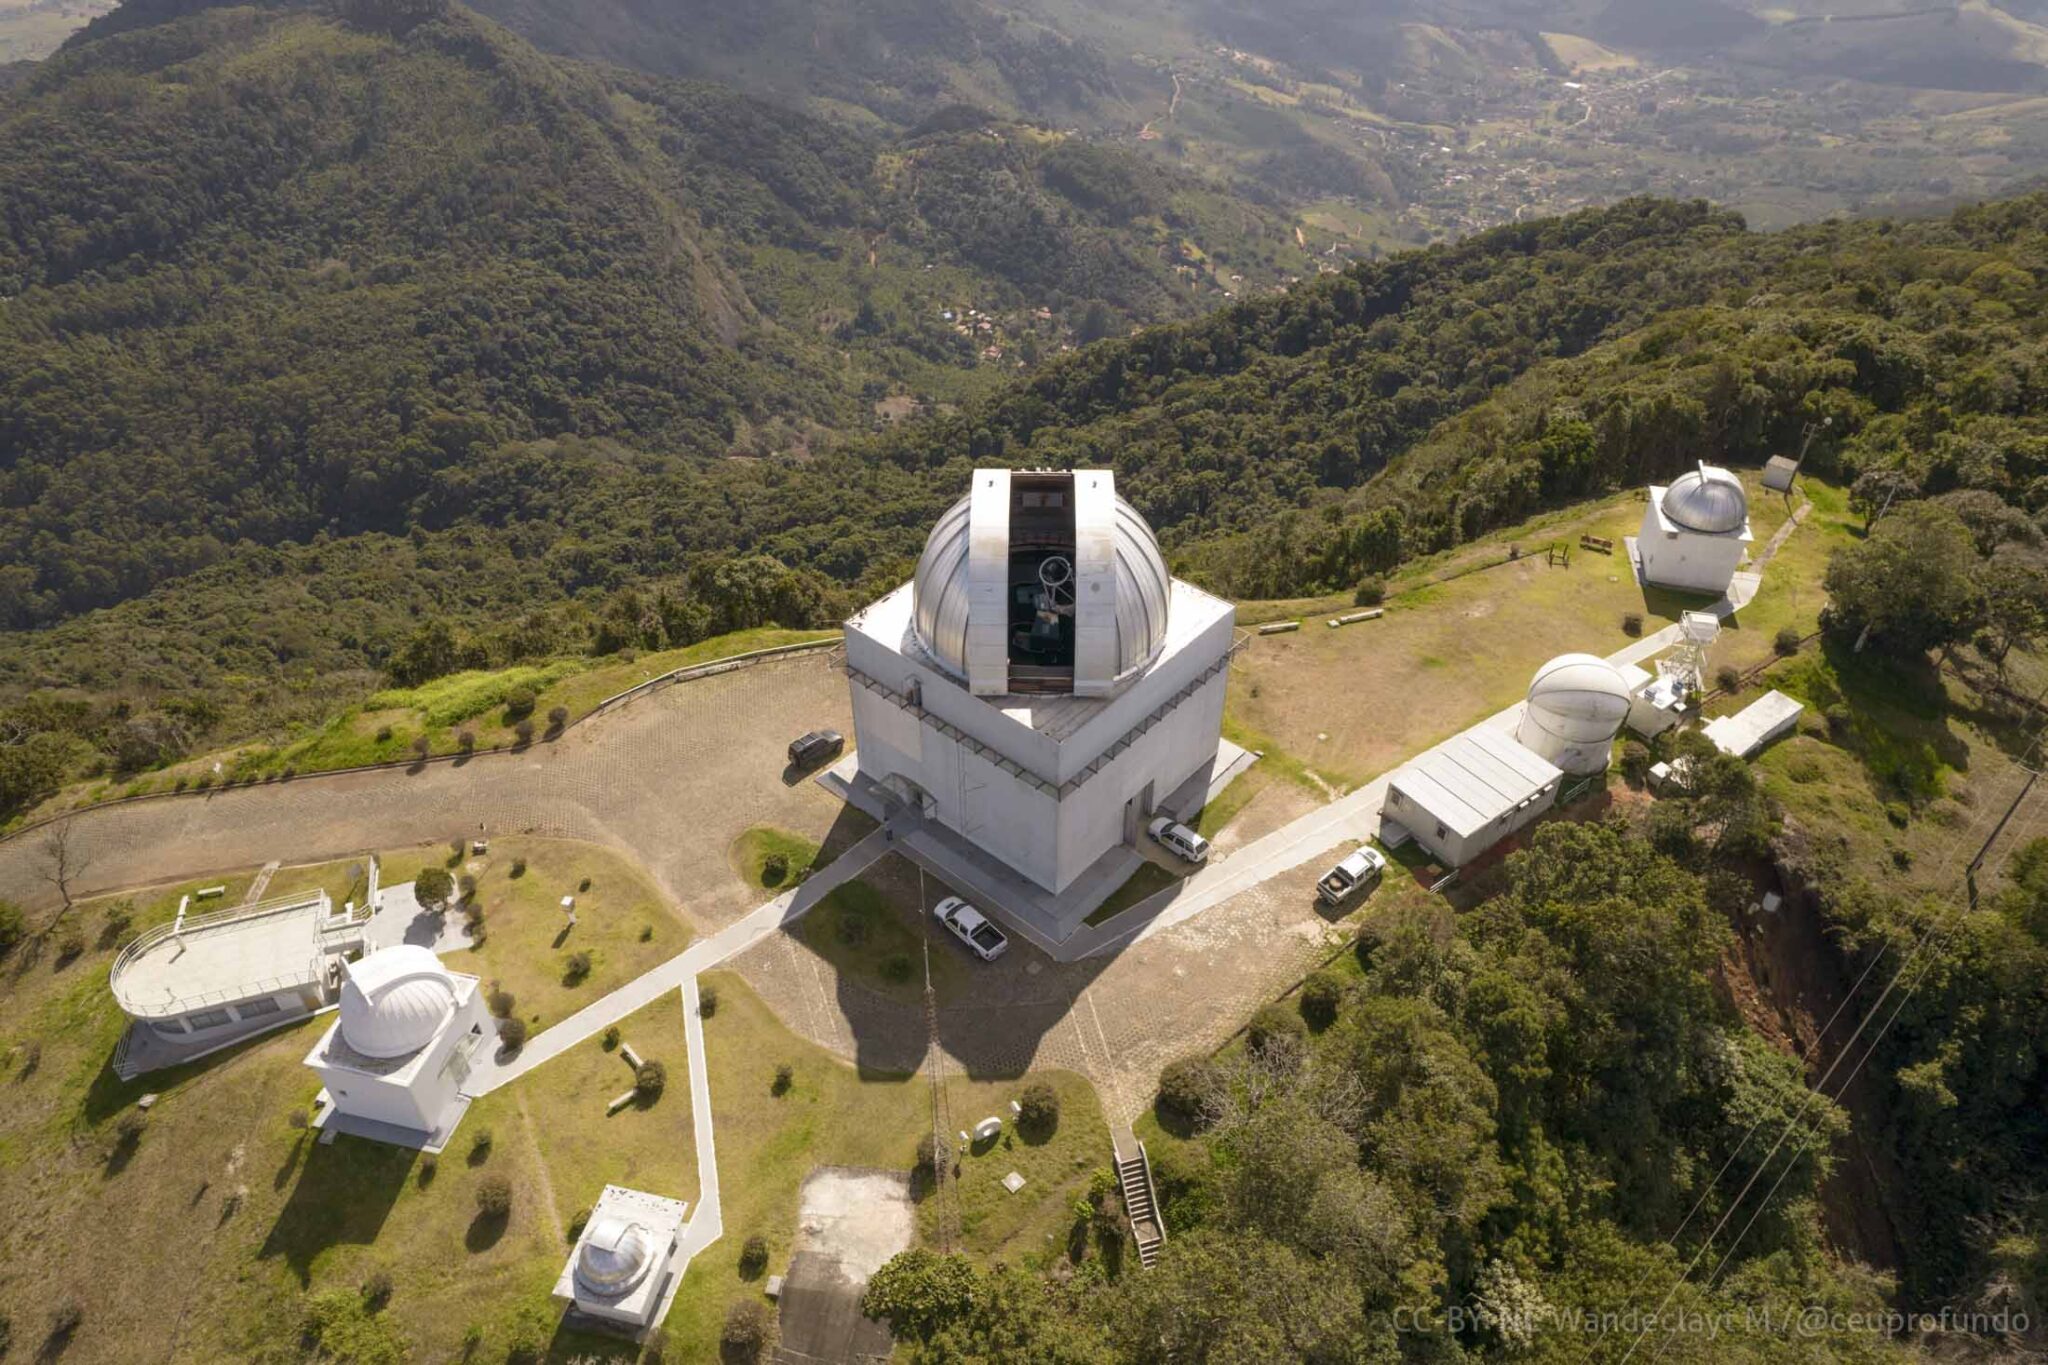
(1470, 792)
(1043, 682)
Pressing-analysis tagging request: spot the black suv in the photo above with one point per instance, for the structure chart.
(819, 746)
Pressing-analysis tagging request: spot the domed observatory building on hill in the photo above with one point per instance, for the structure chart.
(394, 1062)
(1576, 706)
(1038, 691)
(623, 1267)
(1695, 532)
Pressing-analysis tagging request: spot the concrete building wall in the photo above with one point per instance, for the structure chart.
(1673, 557)
(1144, 695)
(1092, 820)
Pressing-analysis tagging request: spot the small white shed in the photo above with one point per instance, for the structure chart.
(1470, 792)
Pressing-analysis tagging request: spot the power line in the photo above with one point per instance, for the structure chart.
(1818, 1089)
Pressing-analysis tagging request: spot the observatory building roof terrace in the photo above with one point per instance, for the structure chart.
(233, 954)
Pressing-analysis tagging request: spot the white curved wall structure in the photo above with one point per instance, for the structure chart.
(1577, 704)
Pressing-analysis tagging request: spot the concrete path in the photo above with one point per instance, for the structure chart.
(707, 1224)
(680, 971)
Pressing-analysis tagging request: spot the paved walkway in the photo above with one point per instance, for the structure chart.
(680, 971)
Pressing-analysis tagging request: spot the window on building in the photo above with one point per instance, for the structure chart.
(209, 1019)
(252, 1009)
(1441, 832)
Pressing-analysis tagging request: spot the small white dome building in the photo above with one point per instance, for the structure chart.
(394, 1062)
(620, 1273)
(1577, 705)
(1695, 532)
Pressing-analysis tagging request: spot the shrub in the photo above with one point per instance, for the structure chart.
(646, 933)
(611, 1038)
(897, 968)
(754, 1256)
(494, 1196)
(12, 927)
(430, 1166)
(1899, 813)
(1635, 762)
(298, 1119)
(434, 888)
(119, 916)
(577, 969)
(518, 867)
(707, 1002)
(422, 746)
(583, 885)
(1038, 1108)
(558, 716)
(501, 1001)
(651, 1079)
(1631, 623)
(65, 1319)
(774, 869)
(852, 927)
(512, 1033)
(1188, 1087)
(519, 702)
(480, 1145)
(657, 1348)
(71, 946)
(785, 1076)
(927, 1153)
(523, 732)
(577, 1223)
(377, 1290)
(6, 1334)
(745, 1332)
(1321, 995)
(1370, 592)
(383, 734)
(1786, 641)
(1274, 1023)
(129, 1128)
(1728, 678)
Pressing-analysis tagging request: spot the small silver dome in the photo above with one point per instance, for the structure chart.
(616, 1255)
(395, 1000)
(1095, 558)
(1707, 500)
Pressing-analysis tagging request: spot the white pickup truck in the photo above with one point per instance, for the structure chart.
(1346, 877)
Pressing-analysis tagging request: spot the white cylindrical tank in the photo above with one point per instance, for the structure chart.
(1577, 703)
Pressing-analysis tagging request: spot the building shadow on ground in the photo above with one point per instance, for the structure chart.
(344, 1192)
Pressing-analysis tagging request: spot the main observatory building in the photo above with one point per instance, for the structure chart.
(1043, 684)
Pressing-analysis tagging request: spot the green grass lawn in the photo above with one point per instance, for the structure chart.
(527, 944)
(833, 1115)
(876, 937)
(751, 852)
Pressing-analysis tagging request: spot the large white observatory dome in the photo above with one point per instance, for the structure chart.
(1708, 500)
(617, 1254)
(1577, 703)
(1041, 581)
(395, 1000)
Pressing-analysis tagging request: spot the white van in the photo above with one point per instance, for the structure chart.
(1179, 840)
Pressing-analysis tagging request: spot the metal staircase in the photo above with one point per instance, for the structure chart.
(1141, 1201)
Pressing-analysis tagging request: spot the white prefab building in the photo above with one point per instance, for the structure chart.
(1043, 682)
(1695, 532)
(394, 1062)
(624, 1263)
(1576, 706)
(1470, 792)
(1745, 733)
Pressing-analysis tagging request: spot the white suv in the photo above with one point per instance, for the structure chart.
(1179, 840)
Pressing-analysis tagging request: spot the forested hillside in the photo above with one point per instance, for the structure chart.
(268, 273)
